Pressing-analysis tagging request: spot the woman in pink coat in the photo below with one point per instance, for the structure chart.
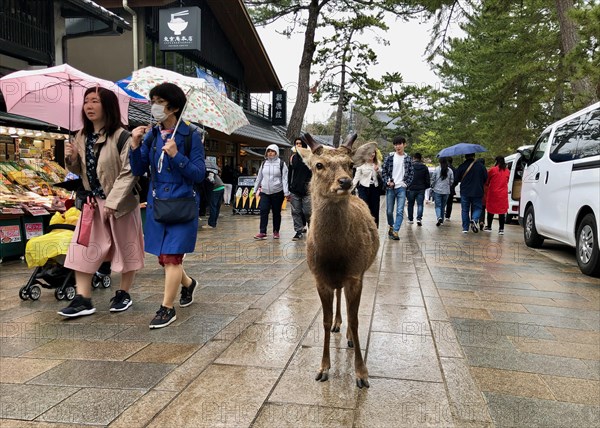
(497, 194)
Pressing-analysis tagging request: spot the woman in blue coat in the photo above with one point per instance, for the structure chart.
(172, 176)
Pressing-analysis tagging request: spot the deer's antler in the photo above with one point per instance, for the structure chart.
(350, 139)
(315, 147)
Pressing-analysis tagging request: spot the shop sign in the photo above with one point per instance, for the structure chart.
(179, 29)
(279, 108)
(32, 230)
(36, 210)
(10, 234)
(246, 202)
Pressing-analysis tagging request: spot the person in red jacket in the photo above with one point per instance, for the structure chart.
(497, 194)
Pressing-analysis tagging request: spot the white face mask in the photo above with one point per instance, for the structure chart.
(158, 112)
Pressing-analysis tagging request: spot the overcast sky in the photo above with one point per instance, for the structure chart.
(404, 54)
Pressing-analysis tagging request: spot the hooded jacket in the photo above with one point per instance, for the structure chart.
(272, 178)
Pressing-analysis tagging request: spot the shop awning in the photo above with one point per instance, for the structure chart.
(17, 121)
(86, 16)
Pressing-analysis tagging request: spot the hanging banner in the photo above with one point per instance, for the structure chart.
(279, 108)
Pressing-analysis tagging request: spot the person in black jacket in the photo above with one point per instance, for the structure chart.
(416, 190)
(452, 191)
(472, 176)
(299, 176)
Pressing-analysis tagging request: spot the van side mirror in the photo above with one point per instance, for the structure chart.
(526, 154)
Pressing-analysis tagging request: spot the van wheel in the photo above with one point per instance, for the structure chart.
(588, 257)
(532, 238)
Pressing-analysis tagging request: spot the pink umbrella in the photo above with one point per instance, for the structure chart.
(55, 94)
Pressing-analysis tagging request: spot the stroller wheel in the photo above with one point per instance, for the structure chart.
(23, 294)
(70, 292)
(96, 281)
(35, 292)
(106, 281)
(59, 294)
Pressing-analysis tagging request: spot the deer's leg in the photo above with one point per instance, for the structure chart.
(326, 295)
(338, 311)
(352, 292)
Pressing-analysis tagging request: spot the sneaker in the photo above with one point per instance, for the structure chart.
(187, 294)
(297, 236)
(260, 236)
(276, 235)
(419, 223)
(410, 222)
(447, 218)
(465, 231)
(439, 222)
(474, 227)
(121, 302)
(481, 224)
(487, 229)
(164, 316)
(390, 231)
(394, 236)
(78, 307)
(501, 232)
(304, 230)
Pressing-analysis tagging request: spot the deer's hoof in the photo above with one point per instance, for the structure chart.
(335, 329)
(322, 376)
(350, 344)
(362, 383)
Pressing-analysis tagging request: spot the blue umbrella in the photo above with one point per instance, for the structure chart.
(460, 149)
(123, 85)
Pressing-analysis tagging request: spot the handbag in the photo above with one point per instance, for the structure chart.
(85, 222)
(175, 210)
(382, 187)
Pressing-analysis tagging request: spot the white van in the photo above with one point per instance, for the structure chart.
(515, 163)
(560, 197)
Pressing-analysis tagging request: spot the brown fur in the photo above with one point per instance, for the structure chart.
(342, 243)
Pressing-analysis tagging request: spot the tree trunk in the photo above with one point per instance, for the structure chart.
(582, 88)
(337, 131)
(295, 125)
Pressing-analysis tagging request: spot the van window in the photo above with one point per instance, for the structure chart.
(564, 144)
(540, 148)
(589, 139)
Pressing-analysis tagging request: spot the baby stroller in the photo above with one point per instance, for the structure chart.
(48, 253)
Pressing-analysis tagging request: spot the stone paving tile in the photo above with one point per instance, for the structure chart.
(86, 350)
(174, 353)
(92, 406)
(435, 309)
(222, 396)
(20, 370)
(576, 336)
(142, 412)
(564, 312)
(196, 329)
(29, 401)
(465, 398)
(414, 404)
(542, 320)
(573, 390)
(15, 346)
(93, 374)
(470, 313)
(552, 347)
(397, 295)
(400, 319)
(12, 423)
(291, 312)
(445, 339)
(511, 383)
(509, 359)
(403, 356)
(297, 385)
(288, 415)
(315, 334)
(507, 410)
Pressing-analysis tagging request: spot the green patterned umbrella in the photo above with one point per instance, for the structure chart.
(205, 104)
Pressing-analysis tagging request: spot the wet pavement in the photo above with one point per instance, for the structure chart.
(458, 330)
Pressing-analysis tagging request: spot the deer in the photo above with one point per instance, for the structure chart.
(341, 245)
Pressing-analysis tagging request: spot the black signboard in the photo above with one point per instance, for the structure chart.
(279, 108)
(179, 29)
(245, 201)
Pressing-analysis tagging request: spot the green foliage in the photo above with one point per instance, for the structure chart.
(584, 60)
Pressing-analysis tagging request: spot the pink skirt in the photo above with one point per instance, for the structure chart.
(117, 240)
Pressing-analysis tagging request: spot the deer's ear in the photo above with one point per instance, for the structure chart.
(305, 154)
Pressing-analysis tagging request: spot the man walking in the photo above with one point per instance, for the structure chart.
(398, 174)
(452, 191)
(472, 175)
(416, 190)
(299, 176)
